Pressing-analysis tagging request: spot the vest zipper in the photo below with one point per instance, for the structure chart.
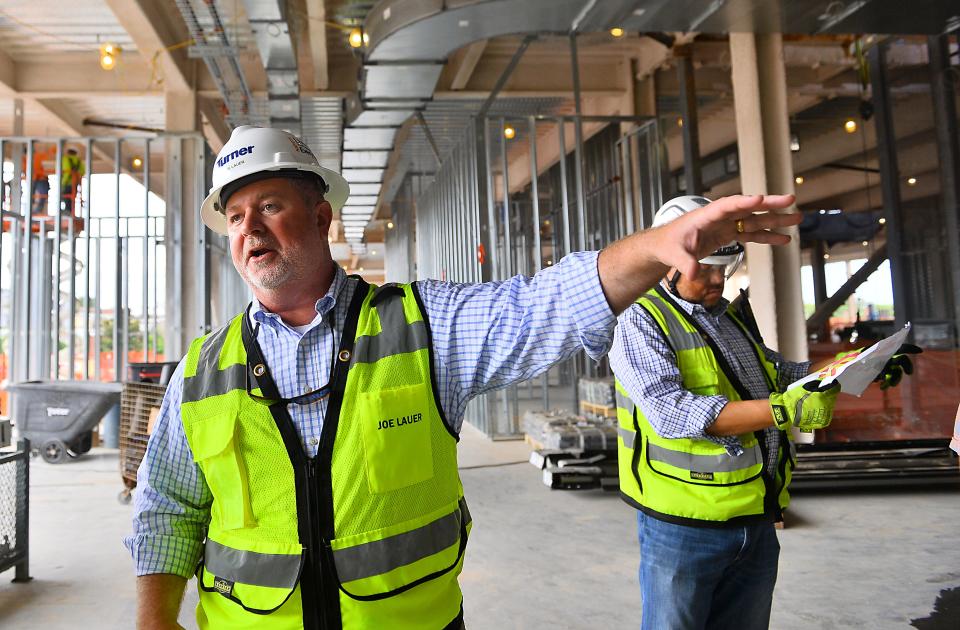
(316, 550)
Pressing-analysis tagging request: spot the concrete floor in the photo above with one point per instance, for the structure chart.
(538, 558)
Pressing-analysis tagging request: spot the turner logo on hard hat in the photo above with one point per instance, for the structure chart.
(256, 153)
(234, 155)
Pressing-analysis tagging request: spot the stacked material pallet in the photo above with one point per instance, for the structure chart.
(573, 452)
(597, 397)
(597, 391)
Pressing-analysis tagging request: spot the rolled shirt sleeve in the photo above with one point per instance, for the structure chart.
(171, 504)
(647, 368)
(487, 336)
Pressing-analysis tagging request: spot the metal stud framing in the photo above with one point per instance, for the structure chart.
(57, 245)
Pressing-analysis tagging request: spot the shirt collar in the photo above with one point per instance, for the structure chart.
(326, 304)
(690, 308)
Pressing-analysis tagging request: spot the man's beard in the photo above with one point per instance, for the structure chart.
(274, 274)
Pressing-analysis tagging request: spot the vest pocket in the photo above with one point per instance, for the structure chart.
(214, 443)
(396, 437)
(704, 467)
(379, 564)
(258, 582)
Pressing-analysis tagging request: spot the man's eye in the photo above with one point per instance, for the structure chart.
(269, 207)
(234, 218)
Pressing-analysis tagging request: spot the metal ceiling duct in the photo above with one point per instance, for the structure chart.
(271, 30)
(317, 119)
(409, 42)
(213, 44)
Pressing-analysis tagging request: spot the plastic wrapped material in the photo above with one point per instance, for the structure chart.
(560, 430)
(597, 391)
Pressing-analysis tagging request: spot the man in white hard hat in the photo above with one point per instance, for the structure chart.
(303, 464)
(704, 444)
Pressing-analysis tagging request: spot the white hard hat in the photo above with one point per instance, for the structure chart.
(730, 255)
(253, 150)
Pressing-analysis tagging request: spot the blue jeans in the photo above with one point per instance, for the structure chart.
(696, 578)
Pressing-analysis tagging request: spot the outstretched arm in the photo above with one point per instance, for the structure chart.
(633, 264)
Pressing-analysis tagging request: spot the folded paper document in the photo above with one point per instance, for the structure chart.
(856, 371)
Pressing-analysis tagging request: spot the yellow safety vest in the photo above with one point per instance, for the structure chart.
(695, 481)
(368, 534)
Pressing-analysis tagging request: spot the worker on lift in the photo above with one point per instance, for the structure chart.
(303, 464)
(40, 186)
(72, 171)
(704, 419)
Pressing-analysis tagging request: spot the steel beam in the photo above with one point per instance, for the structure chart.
(823, 312)
(943, 89)
(890, 180)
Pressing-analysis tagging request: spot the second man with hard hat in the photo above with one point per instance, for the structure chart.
(704, 419)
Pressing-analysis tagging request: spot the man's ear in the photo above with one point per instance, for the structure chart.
(324, 214)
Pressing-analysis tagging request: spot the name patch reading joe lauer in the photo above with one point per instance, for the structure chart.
(391, 423)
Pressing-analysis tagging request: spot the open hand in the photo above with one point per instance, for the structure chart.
(695, 235)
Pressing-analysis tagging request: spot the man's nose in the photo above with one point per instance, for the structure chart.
(251, 223)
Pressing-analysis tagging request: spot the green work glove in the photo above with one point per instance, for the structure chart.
(807, 407)
(897, 365)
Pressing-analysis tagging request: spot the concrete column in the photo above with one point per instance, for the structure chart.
(183, 259)
(763, 140)
(692, 176)
(644, 93)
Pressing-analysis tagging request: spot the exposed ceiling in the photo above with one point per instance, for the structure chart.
(443, 59)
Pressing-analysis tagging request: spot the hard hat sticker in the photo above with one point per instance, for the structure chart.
(235, 154)
(300, 145)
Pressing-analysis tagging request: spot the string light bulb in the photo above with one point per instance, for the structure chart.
(509, 132)
(911, 181)
(109, 54)
(798, 179)
(389, 225)
(617, 32)
(356, 38)
(850, 126)
(137, 162)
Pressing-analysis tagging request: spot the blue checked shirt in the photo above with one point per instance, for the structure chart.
(647, 368)
(485, 336)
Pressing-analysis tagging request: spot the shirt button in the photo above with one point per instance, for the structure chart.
(314, 441)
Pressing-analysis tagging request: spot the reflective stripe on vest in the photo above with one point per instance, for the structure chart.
(624, 402)
(691, 461)
(400, 338)
(381, 556)
(679, 337)
(705, 463)
(260, 569)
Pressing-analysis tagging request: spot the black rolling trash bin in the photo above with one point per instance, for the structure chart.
(59, 416)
